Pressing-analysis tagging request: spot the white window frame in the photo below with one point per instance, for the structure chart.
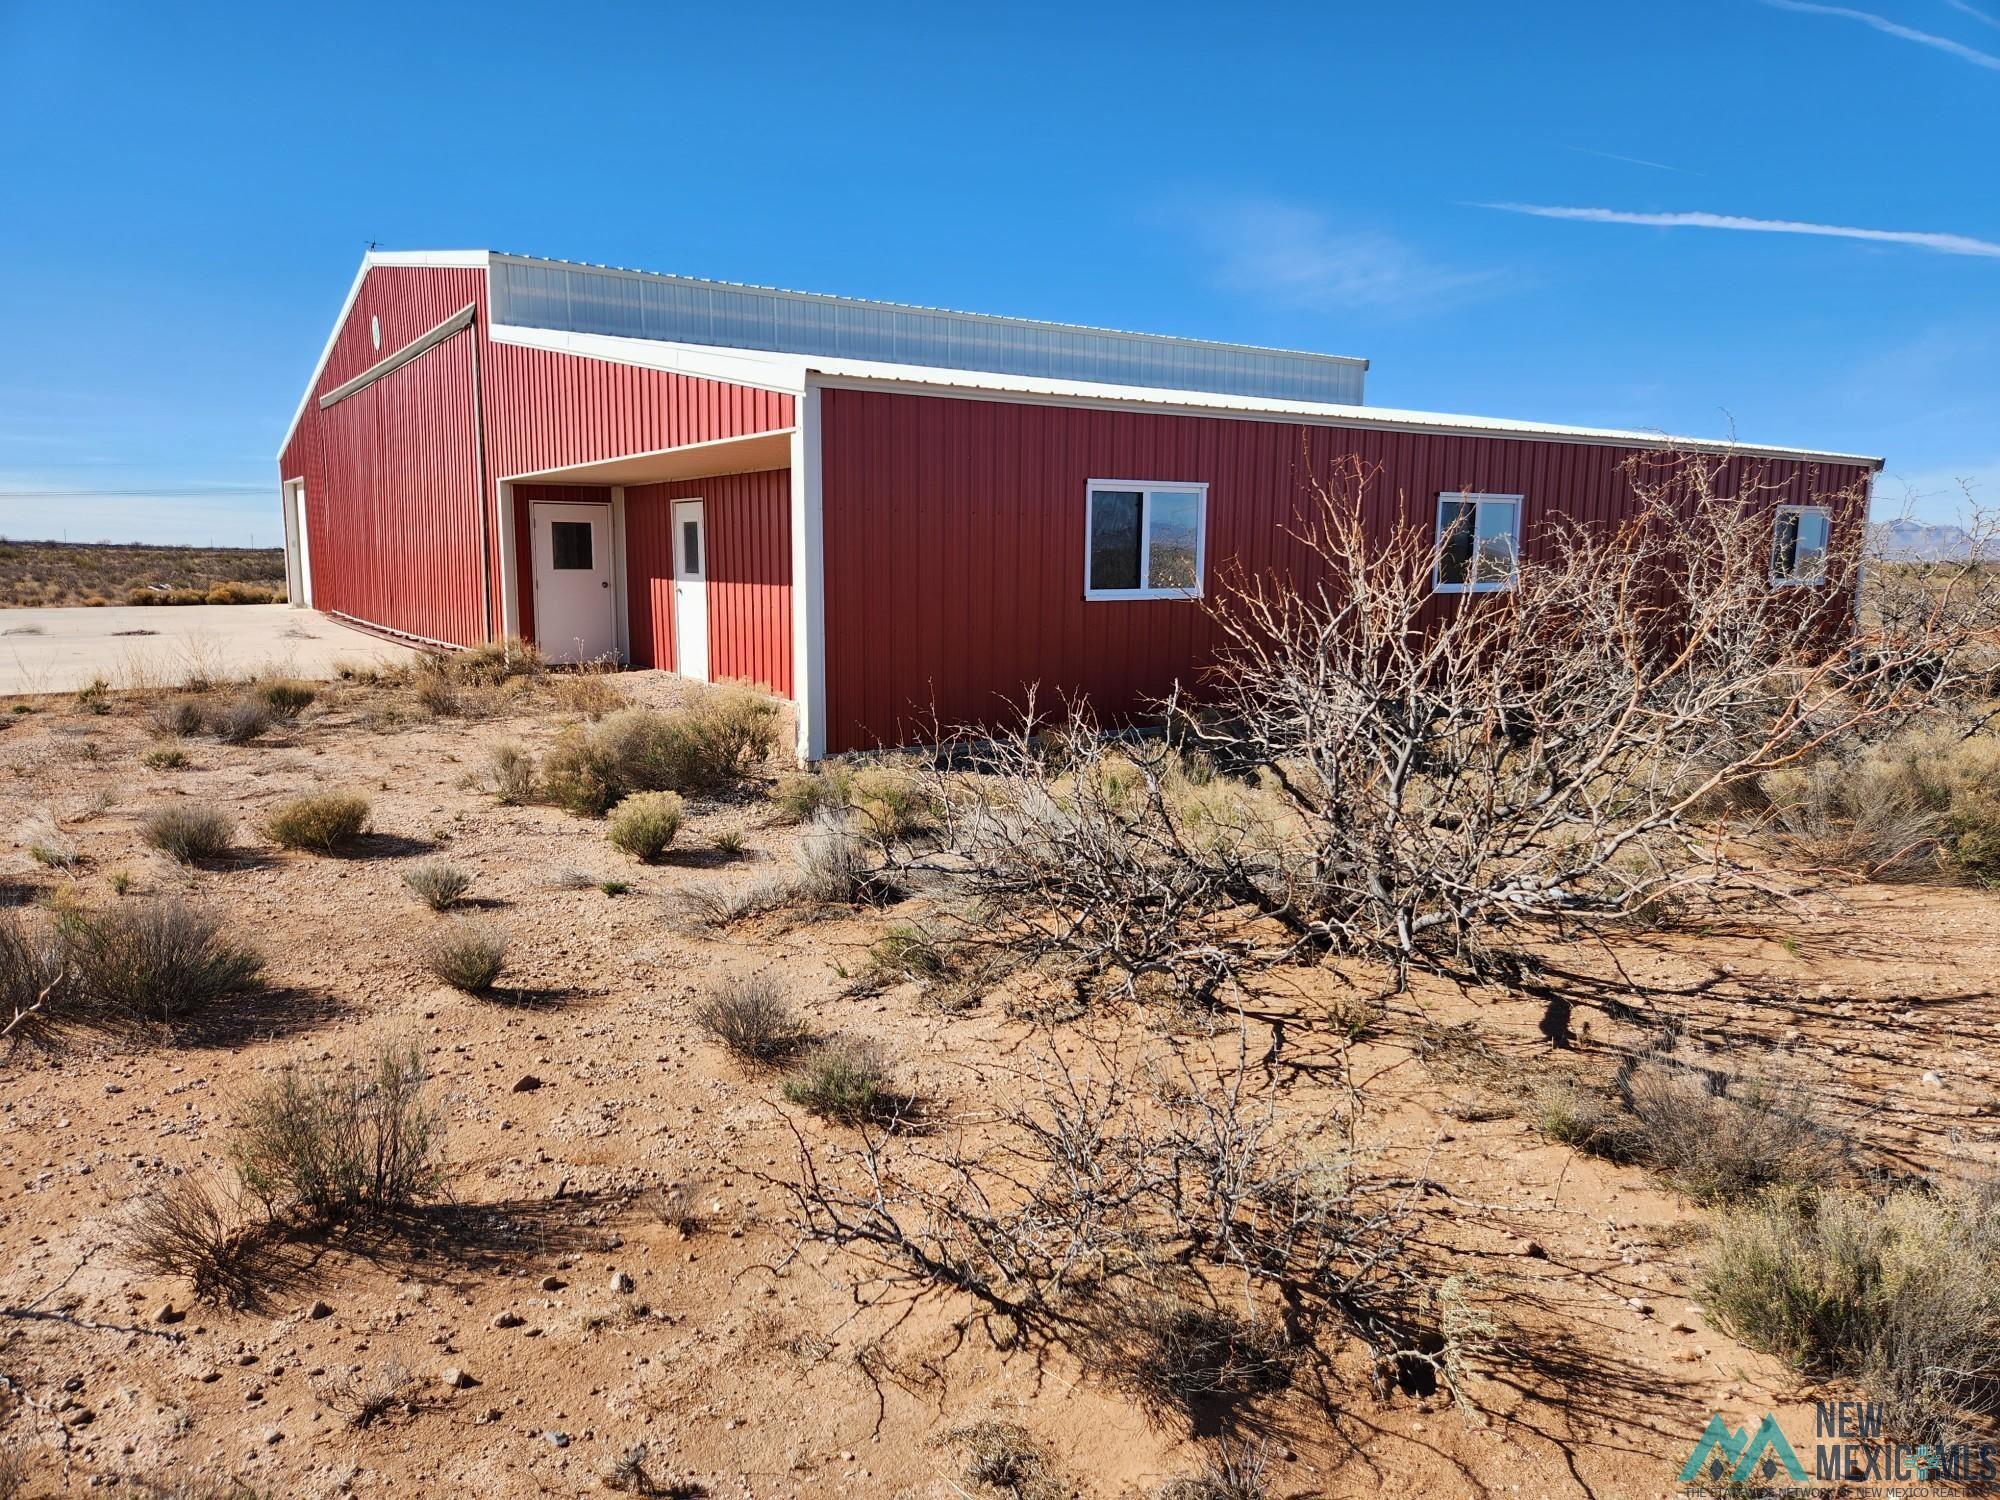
(1474, 498)
(1783, 580)
(1146, 489)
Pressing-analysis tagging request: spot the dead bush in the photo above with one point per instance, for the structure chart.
(644, 824)
(287, 697)
(592, 694)
(1004, 1458)
(467, 954)
(340, 1143)
(153, 961)
(193, 1229)
(845, 1079)
(1231, 1472)
(1900, 1295)
(437, 883)
(512, 770)
(190, 833)
(1718, 1136)
(366, 1397)
(32, 973)
(319, 822)
(832, 868)
(47, 844)
(178, 718)
(753, 1020)
(239, 721)
(1176, 1355)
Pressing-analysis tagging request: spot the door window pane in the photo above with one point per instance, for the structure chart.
(569, 544)
(1172, 520)
(690, 549)
(1114, 539)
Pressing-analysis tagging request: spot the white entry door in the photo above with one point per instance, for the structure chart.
(305, 551)
(574, 601)
(690, 590)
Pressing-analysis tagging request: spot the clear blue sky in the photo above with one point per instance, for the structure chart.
(185, 191)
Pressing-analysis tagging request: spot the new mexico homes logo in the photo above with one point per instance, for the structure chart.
(1849, 1447)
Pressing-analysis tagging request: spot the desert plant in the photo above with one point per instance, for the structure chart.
(166, 758)
(365, 1398)
(437, 883)
(467, 954)
(1174, 1354)
(702, 747)
(889, 803)
(287, 698)
(1584, 1119)
(333, 1144)
(437, 692)
(1004, 1458)
(644, 824)
(193, 1229)
(512, 770)
(844, 1079)
(178, 718)
(94, 696)
(906, 952)
(801, 796)
(1900, 1294)
(32, 974)
(832, 868)
(321, 822)
(1718, 1136)
(729, 844)
(751, 1018)
(239, 721)
(153, 961)
(48, 845)
(190, 833)
(1231, 1472)
(614, 887)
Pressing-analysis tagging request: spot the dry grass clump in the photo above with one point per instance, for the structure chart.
(1175, 1355)
(31, 972)
(365, 1399)
(177, 718)
(467, 954)
(1231, 1472)
(1925, 805)
(752, 1018)
(49, 845)
(152, 961)
(512, 771)
(287, 698)
(191, 834)
(335, 1144)
(319, 822)
(192, 1229)
(832, 867)
(708, 745)
(1004, 1458)
(844, 1079)
(437, 883)
(801, 796)
(1900, 1295)
(239, 721)
(889, 804)
(165, 758)
(644, 824)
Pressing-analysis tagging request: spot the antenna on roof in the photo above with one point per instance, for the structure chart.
(374, 244)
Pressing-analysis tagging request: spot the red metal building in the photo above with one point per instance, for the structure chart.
(894, 516)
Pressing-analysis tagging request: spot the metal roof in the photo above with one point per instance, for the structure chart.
(528, 292)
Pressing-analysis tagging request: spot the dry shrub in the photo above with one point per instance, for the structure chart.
(719, 737)
(588, 692)
(190, 833)
(153, 961)
(1584, 1119)
(1175, 1355)
(801, 796)
(492, 663)
(1716, 1136)
(752, 1018)
(366, 1398)
(467, 954)
(32, 971)
(166, 758)
(711, 908)
(1231, 1472)
(1004, 1458)
(287, 698)
(644, 824)
(239, 721)
(177, 718)
(48, 845)
(320, 822)
(845, 1079)
(512, 770)
(437, 883)
(351, 1142)
(1900, 1295)
(889, 804)
(832, 868)
(193, 1229)
(1923, 805)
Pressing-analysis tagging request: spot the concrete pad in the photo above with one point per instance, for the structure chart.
(132, 646)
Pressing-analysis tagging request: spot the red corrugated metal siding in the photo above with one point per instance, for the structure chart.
(954, 539)
(748, 517)
(542, 409)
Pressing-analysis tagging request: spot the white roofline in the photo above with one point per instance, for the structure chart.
(369, 260)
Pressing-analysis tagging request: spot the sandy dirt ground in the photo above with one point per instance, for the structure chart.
(580, 1319)
(127, 646)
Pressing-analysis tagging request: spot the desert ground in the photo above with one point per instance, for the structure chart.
(51, 574)
(615, 1260)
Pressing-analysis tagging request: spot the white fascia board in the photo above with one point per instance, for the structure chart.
(752, 367)
(986, 386)
(369, 260)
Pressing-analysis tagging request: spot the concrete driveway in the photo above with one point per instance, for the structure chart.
(61, 650)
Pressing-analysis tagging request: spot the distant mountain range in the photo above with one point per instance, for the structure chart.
(1914, 541)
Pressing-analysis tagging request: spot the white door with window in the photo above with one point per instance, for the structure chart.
(690, 590)
(574, 603)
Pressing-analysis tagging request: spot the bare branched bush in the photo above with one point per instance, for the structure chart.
(339, 1143)
(1232, 1471)
(320, 822)
(437, 883)
(752, 1018)
(190, 833)
(154, 961)
(1427, 778)
(32, 972)
(467, 954)
(196, 1230)
(1900, 1294)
